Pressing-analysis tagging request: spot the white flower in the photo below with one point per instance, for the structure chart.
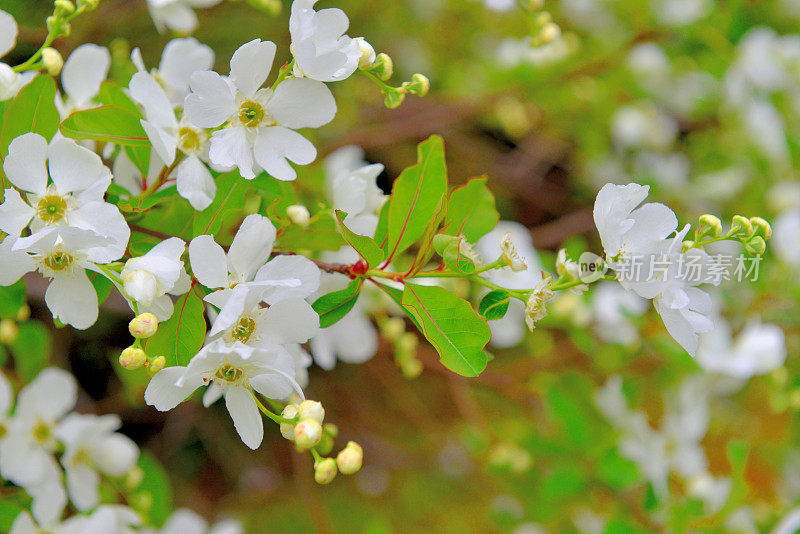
(83, 72)
(10, 82)
(92, 447)
(111, 518)
(177, 15)
(285, 321)
(26, 453)
(627, 228)
(24, 524)
(183, 521)
(612, 309)
(147, 279)
(236, 370)
(321, 49)
(352, 339)
(194, 181)
(786, 236)
(643, 127)
(510, 330)
(260, 122)
(352, 189)
(74, 197)
(181, 58)
(285, 276)
(757, 350)
(62, 255)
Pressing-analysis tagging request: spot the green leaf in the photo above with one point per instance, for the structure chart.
(181, 337)
(112, 124)
(31, 349)
(334, 306)
(494, 304)
(10, 507)
(155, 483)
(449, 247)
(366, 247)
(32, 110)
(397, 296)
(12, 298)
(229, 201)
(320, 234)
(112, 94)
(416, 196)
(450, 325)
(471, 212)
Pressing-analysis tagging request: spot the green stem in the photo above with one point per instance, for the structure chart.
(275, 417)
(317, 456)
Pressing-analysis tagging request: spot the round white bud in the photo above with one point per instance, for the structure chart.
(141, 286)
(298, 214)
(307, 433)
(325, 471)
(143, 326)
(289, 412)
(350, 458)
(310, 409)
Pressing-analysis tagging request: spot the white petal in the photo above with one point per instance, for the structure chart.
(275, 385)
(163, 142)
(355, 325)
(163, 394)
(52, 394)
(208, 261)
(229, 526)
(678, 327)
(180, 59)
(25, 163)
(75, 168)
(652, 222)
(49, 501)
(251, 246)
(211, 102)
(8, 33)
(23, 524)
(15, 213)
(287, 267)
(115, 455)
(106, 220)
(212, 394)
(176, 16)
(276, 144)
(232, 310)
(157, 108)
(84, 71)
(250, 65)
(322, 349)
(6, 395)
(184, 521)
(195, 183)
(291, 321)
(230, 147)
(302, 103)
(73, 299)
(245, 415)
(13, 264)
(82, 485)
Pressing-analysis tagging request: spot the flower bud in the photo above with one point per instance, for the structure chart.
(23, 314)
(298, 214)
(710, 225)
(330, 430)
(393, 96)
(289, 412)
(368, 56)
(9, 331)
(307, 433)
(756, 245)
(156, 365)
(133, 478)
(310, 409)
(140, 285)
(132, 358)
(761, 227)
(325, 470)
(350, 458)
(325, 445)
(549, 33)
(393, 328)
(411, 368)
(536, 5)
(510, 255)
(57, 25)
(383, 66)
(52, 61)
(741, 225)
(272, 7)
(10, 82)
(65, 6)
(143, 326)
(419, 85)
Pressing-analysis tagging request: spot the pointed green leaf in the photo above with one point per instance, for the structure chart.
(494, 304)
(181, 337)
(366, 247)
(416, 196)
(472, 212)
(112, 124)
(450, 325)
(334, 306)
(229, 201)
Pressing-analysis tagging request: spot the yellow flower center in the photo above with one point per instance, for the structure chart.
(188, 139)
(41, 432)
(3, 430)
(251, 114)
(58, 261)
(51, 209)
(228, 373)
(243, 329)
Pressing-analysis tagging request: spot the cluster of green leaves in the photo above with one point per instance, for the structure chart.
(423, 217)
